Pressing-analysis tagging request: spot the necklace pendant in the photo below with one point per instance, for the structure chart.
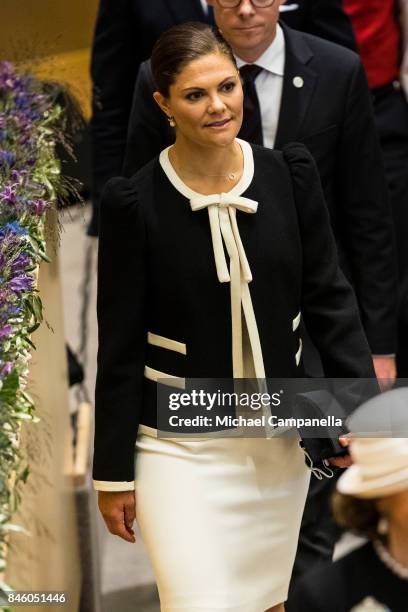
(231, 176)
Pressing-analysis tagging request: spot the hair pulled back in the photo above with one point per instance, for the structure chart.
(180, 45)
(361, 516)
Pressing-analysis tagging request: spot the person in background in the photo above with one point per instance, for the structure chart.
(323, 18)
(372, 501)
(290, 96)
(302, 88)
(125, 33)
(381, 29)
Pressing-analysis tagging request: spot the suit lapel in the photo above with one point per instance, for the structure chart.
(185, 10)
(298, 86)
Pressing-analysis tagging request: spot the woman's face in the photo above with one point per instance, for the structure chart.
(206, 101)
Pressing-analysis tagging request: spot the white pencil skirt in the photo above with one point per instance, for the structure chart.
(220, 519)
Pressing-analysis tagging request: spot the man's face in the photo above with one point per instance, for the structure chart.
(247, 28)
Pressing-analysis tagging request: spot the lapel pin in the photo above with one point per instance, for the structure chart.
(298, 82)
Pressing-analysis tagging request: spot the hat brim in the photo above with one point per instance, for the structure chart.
(352, 483)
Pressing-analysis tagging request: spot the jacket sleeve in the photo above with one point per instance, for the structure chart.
(318, 591)
(116, 56)
(328, 303)
(148, 132)
(121, 310)
(367, 232)
(327, 19)
(323, 18)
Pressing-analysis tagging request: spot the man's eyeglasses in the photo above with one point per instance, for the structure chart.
(235, 3)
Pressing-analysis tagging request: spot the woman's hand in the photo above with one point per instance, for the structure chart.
(342, 462)
(119, 512)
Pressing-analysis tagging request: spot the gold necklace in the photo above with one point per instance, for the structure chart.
(231, 176)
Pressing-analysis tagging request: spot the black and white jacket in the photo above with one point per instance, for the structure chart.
(166, 294)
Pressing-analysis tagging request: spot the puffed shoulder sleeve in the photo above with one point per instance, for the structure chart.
(329, 306)
(121, 310)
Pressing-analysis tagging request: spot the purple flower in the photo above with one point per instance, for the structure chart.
(6, 67)
(27, 142)
(38, 207)
(9, 194)
(5, 369)
(22, 121)
(5, 331)
(18, 175)
(20, 264)
(20, 284)
(7, 75)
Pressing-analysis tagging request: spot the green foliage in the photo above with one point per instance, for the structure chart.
(31, 124)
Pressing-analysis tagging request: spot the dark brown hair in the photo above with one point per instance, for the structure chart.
(359, 515)
(182, 44)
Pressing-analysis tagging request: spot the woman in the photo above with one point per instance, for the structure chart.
(206, 258)
(373, 502)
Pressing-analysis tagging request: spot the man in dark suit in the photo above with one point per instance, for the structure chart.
(381, 31)
(125, 33)
(312, 91)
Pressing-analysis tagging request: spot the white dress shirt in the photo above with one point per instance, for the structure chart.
(205, 6)
(285, 8)
(269, 85)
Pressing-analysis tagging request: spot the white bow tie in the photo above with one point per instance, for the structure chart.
(223, 222)
(247, 359)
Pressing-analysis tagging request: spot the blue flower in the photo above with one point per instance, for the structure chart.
(7, 158)
(13, 228)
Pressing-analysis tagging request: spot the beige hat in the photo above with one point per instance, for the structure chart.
(380, 467)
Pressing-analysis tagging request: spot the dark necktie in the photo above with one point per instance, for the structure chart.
(251, 129)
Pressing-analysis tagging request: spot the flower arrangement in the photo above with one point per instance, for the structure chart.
(32, 123)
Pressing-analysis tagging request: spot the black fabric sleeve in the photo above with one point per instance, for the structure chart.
(329, 306)
(116, 56)
(327, 19)
(121, 309)
(367, 232)
(312, 594)
(148, 133)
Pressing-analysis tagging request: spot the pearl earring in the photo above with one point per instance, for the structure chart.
(171, 121)
(382, 527)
